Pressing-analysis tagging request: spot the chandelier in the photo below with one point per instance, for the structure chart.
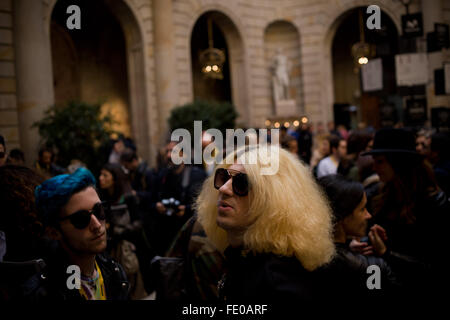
(362, 51)
(212, 59)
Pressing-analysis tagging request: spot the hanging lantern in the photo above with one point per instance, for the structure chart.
(362, 51)
(212, 59)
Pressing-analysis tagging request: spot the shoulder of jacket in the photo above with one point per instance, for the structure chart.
(107, 263)
(352, 260)
(440, 198)
(276, 264)
(112, 269)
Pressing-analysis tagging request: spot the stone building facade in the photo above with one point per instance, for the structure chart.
(157, 36)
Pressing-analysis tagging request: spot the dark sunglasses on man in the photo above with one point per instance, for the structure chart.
(239, 181)
(82, 218)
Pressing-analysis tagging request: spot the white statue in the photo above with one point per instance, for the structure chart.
(280, 77)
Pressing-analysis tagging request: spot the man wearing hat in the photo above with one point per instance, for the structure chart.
(74, 216)
(409, 213)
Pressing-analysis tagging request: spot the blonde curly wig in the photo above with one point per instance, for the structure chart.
(290, 212)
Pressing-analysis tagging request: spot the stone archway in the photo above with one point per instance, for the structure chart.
(66, 78)
(136, 76)
(209, 89)
(138, 96)
(237, 61)
(335, 15)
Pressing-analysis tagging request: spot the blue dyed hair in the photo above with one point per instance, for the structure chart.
(54, 193)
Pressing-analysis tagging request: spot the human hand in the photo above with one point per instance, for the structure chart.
(181, 210)
(377, 237)
(377, 243)
(380, 231)
(361, 247)
(160, 208)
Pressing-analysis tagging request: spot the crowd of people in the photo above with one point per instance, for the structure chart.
(340, 205)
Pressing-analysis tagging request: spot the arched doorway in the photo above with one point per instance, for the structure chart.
(125, 90)
(89, 65)
(233, 86)
(209, 88)
(352, 106)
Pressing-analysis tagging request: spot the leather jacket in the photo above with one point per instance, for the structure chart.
(266, 277)
(415, 250)
(50, 284)
(348, 275)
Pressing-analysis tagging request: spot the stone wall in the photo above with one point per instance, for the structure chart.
(9, 126)
(316, 22)
(245, 23)
(135, 18)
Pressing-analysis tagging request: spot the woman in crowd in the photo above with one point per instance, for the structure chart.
(19, 220)
(411, 211)
(348, 270)
(290, 144)
(274, 226)
(21, 230)
(124, 224)
(321, 150)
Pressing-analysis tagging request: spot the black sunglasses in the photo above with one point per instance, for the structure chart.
(82, 218)
(239, 181)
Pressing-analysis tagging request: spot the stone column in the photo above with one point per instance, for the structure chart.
(33, 71)
(165, 62)
(432, 13)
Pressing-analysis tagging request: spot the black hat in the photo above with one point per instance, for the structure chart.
(397, 141)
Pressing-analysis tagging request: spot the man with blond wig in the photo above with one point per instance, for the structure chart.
(274, 226)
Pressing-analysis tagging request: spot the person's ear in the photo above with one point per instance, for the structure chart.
(53, 233)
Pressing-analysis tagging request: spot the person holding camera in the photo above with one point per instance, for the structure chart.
(177, 185)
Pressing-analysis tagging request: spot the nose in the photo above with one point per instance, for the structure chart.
(368, 215)
(95, 223)
(227, 188)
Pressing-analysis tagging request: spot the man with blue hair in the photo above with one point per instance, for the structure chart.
(74, 216)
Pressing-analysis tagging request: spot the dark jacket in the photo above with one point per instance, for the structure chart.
(304, 141)
(415, 250)
(170, 185)
(348, 275)
(442, 174)
(203, 262)
(161, 229)
(266, 277)
(51, 284)
(143, 181)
